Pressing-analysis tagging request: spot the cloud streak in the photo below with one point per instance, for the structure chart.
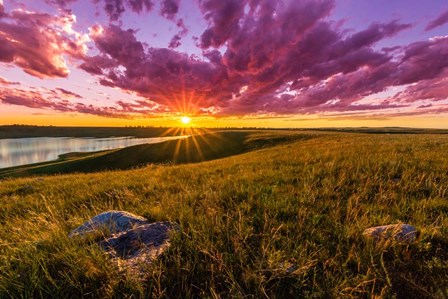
(442, 19)
(62, 100)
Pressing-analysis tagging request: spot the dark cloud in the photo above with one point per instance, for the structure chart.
(113, 8)
(176, 40)
(169, 8)
(223, 17)
(439, 21)
(68, 93)
(96, 64)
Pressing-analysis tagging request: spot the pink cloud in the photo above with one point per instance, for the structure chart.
(4, 81)
(36, 42)
(258, 57)
(434, 89)
(68, 93)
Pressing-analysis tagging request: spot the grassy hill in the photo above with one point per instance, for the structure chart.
(196, 148)
(282, 221)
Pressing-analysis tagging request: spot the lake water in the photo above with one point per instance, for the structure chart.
(22, 151)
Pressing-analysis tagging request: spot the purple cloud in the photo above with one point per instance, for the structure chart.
(439, 21)
(278, 59)
(176, 40)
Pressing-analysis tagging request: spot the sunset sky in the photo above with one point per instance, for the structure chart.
(268, 63)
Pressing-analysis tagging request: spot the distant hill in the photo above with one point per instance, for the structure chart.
(21, 131)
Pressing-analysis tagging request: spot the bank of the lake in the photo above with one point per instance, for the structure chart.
(22, 151)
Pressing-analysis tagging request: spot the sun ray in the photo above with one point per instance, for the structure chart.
(197, 147)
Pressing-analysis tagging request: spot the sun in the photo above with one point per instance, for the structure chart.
(185, 120)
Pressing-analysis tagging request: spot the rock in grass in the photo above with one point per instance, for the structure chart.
(111, 221)
(402, 233)
(139, 246)
(133, 242)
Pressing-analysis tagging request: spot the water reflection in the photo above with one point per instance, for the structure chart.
(22, 151)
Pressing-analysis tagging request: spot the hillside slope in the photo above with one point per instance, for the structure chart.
(280, 222)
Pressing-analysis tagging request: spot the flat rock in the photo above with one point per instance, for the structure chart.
(128, 244)
(111, 221)
(402, 233)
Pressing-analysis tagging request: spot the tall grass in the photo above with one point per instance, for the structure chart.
(284, 222)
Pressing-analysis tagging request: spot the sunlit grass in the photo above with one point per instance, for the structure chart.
(245, 220)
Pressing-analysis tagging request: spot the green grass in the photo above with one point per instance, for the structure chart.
(244, 220)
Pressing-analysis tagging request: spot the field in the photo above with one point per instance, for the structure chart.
(273, 215)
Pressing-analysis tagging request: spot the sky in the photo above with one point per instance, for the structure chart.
(224, 63)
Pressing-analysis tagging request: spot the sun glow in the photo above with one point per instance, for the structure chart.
(185, 120)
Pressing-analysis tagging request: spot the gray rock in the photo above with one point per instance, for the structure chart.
(133, 243)
(402, 233)
(111, 221)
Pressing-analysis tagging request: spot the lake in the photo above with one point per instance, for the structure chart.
(21, 151)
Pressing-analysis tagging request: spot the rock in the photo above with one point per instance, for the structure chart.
(402, 233)
(133, 243)
(111, 221)
(134, 249)
(288, 267)
(129, 243)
